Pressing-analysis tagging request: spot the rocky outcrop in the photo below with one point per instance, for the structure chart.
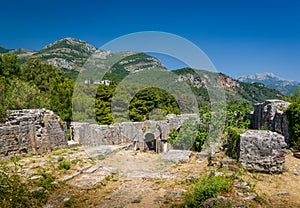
(262, 151)
(271, 115)
(31, 130)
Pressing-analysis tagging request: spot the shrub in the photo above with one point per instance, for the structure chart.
(46, 181)
(233, 139)
(13, 190)
(64, 165)
(293, 115)
(207, 188)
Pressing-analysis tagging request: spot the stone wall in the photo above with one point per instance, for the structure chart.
(31, 130)
(271, 115)
(262, 151)
(142, 135)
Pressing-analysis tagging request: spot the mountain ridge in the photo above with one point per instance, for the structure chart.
(273, 81)
(70, 54)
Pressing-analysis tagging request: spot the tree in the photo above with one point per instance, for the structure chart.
(9, 66)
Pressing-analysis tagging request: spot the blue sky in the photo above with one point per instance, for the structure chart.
(240, 37)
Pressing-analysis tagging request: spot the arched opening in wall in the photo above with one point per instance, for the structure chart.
(150, 141)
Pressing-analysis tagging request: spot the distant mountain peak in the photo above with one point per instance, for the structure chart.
(285, 86)
(70, 43)
(260, 76)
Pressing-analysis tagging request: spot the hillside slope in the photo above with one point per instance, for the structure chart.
(235, 90)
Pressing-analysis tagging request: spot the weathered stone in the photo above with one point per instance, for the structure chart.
(242, 185)
(177, 156)
(127, 193)
(147, 135)
(31, 130)
(148, 175)
(294, 171)
(90, 180)
(262, 151)
(177, 194)
(296, 155)
(219, 200)
(271, 115)
(282, 193)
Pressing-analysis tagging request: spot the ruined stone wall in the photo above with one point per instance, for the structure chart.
(128, 132)
(31, 130)
(271, 115)
(262, 151)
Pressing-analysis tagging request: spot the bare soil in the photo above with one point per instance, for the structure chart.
(142, 179)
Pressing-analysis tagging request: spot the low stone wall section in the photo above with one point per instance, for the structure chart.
(135, 133)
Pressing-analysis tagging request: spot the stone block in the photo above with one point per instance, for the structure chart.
(262, 151)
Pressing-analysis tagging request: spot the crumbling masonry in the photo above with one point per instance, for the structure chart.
(31, 130)
(147, 135)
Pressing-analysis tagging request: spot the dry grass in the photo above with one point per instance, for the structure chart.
(265, 186)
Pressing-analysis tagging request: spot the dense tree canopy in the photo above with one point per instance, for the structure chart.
(34, 85)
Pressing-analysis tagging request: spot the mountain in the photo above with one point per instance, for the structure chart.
(3, 50)
(272, 81)
(71, 54)
(234, 90)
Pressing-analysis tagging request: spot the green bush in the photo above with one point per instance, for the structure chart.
(64, 165)
(13, 190)
(46, 181)
(207, 188)
(293, 115)
(233, 140)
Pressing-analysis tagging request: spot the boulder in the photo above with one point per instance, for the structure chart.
(262, 151)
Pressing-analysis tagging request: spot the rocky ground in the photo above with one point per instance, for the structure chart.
(111, 176)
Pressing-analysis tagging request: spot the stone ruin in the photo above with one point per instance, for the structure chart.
(147, 135)
(263, 151)
(31, 130)
(271, 115)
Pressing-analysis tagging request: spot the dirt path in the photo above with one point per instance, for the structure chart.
(144, 180)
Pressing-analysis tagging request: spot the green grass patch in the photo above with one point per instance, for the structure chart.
(207, 188)
(64, 165)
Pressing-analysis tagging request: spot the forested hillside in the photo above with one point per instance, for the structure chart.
(34, 85)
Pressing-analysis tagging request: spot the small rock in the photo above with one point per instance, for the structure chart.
(282, 193)
(178, 194)
(136, 200)
(38, 189)
(220, 200)
(190, 179)
(66, 199)
(218, 174)
(36, 177)
(242, 185)
(247, 196)
(250, 196)
(297, 155)
(294, 171)
(227, 161)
